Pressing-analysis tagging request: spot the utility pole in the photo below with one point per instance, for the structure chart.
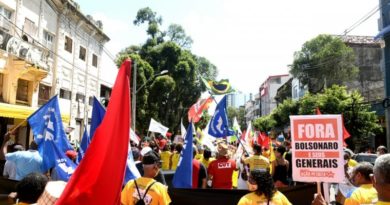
(384, 6)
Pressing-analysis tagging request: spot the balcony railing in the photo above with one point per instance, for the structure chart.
(31, 52)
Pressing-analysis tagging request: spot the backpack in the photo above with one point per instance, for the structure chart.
(141, 199)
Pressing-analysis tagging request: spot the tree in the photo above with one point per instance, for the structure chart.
(232, 112)
(177, 34)
(264, 123)
(167, 98)
(322, 62)
(282, 113)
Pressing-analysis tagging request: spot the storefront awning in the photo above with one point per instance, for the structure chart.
(22, 112)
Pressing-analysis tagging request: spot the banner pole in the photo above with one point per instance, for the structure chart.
(318, 187)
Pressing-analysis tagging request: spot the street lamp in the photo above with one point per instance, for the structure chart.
(137, 90)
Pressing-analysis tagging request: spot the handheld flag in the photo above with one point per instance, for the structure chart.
(131, 170)
(98, 113)
(196, 110)
(99, 177)
(221, 87)
(183, 174)
(134, 136)
(64, 167)
(46, 125)
(155, 126)
(219, 125)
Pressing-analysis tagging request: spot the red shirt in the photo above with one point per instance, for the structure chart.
(222, 171)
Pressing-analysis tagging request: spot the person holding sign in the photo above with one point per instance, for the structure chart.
(265, 193)
(365, 193)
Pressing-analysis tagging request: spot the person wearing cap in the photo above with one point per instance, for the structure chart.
(220, 171)
(134, 190)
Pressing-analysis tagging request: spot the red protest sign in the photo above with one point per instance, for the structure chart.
(317, 148)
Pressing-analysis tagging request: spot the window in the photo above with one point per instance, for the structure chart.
(3, 21)
(22, 92)
(80, 98)
(44, 94)
(82, 53)
(68, 44)
(94, 60)
(30, 28)
(48, 40)
(65, 94)
(90, 101)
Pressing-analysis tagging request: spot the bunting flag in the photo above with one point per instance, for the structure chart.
(219, 124)
(183, 175)
(221, 87)
(155, 126)
(99, 177)
(49, 134)
(346, 134)
(196, 111)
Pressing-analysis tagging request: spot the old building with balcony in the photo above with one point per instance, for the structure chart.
(48, 48)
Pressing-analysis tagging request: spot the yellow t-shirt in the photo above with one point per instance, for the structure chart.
(365, 194)
(165, 156)
(257, 162)
(157, 194)
(198, 156)
(352, 163)
(254, 199)
(206, 162)
(382, 203)
(175, 160)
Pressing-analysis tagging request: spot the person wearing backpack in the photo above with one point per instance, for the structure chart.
(146, 190)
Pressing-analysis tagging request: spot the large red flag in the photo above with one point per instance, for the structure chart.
(346, 134)
(196, 110)
(98, 178)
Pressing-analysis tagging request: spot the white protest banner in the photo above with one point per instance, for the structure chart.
(317, 148)
(155, 126)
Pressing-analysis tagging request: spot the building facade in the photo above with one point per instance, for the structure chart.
(268, 91)
(48, 48)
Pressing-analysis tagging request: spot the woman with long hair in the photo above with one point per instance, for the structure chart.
(265, 192)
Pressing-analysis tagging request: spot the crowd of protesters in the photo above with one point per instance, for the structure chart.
(259, 169)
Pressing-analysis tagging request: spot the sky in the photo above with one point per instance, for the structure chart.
(247, 40)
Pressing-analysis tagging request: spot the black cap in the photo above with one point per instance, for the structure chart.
(151, 158)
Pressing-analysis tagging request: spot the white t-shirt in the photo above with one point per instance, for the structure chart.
(9, 170)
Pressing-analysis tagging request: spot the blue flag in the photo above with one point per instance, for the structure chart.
(183, 174)
(219, 124)
(131, 170)
(64, 167)
(98, 113)
(83, 145)
(49, 134)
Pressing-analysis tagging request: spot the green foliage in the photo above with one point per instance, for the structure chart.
(324, 61)
(360, 122)
(165, 98)
(265, 123)
(177, 34)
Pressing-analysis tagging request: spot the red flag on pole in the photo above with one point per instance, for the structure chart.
(98, 178)
(196, 110)
(346, 134)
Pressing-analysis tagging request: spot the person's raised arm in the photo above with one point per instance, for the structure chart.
(3, 151)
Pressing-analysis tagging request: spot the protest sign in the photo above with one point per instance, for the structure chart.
(317, 148)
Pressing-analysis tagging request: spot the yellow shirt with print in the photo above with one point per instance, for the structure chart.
(198, 156)
(365, 194)
(175, 160)
(157, 194)
(165, 156)
(254, 199)
(257, 162)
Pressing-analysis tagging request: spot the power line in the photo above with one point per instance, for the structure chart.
(362, 20)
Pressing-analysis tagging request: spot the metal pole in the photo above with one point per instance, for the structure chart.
(385, 20)
(133, 103)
